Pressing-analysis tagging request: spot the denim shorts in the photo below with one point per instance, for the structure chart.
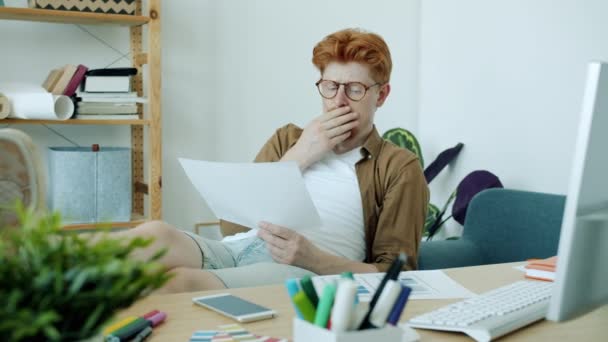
(244, 263)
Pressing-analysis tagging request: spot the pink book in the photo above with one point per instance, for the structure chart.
(78, 77)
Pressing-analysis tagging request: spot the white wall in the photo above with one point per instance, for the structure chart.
(506, 78)
(249, 71)
(233, 72)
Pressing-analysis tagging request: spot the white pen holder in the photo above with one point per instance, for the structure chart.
(304, 331)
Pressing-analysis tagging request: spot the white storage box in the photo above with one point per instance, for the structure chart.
(88, 186)
(304, 331)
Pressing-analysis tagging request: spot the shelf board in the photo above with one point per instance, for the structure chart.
(77, 122)
(71, 17)
(135, 221)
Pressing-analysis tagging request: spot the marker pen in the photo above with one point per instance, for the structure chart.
(309, 289)
(395, 314)
(115, 326)
(391, 274)
(325, 303)
(157, 319)
(385, 303)
(305, 306)
(150, 314)
(343, 305)
(292, 288)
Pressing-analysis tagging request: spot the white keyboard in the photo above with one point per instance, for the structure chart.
(491, 314)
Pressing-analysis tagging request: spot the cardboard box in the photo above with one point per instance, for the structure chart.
(90, 187)
(96, 6)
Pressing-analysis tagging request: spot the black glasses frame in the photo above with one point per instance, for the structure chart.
(345, 85)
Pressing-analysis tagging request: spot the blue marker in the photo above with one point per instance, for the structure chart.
(292, 289)
(395, 314)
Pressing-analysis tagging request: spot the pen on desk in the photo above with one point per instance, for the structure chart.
(142, 335)
(157, 319)
(385, 303)
(131, 329)
(325, 303)
(293, 288)
(395, 314)
(309, 289)
(150, 314)
(343, 305)
(391, 274)
(115, 326)
(304, 305)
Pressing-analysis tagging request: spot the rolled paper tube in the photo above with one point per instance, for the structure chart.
(5, 107)
(35, 103)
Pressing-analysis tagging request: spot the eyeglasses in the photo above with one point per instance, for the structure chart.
(354, 90)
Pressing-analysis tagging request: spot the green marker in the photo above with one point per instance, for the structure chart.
(347, 275)
(325, 304)
(309, 289)
(304, 305)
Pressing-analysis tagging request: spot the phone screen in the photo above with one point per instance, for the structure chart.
(233, 305)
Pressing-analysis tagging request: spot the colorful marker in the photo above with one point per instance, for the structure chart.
(393, 318)
(309, 289)
(304, 305)
(292, 288)
(325, 303)
(343, 305)
(385, 303)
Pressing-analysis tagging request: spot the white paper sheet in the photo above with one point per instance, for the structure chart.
(247, 193)
(433, 284)
(28, 101)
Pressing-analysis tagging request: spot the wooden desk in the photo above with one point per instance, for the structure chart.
(184, 317)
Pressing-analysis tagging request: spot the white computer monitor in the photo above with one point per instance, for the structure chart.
(581, 282)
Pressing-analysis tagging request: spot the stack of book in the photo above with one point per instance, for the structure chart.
(65, 80)
(106, 95)
(543, 269)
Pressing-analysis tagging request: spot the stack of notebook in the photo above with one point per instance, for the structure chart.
(106, 94)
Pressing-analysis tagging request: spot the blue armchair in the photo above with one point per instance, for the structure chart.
(501, 225)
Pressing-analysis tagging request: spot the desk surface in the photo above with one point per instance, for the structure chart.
(183, 317)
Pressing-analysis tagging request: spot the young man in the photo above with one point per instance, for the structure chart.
(371, 195)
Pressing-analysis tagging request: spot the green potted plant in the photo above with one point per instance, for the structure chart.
(61, 286)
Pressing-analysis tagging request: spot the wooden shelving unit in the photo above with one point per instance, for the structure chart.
(70, 17)
(151, 120)
(135, 220)
(76, 122)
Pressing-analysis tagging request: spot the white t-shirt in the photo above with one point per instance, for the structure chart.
(334, 189)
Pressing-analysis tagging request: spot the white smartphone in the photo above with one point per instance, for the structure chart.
(234, 307)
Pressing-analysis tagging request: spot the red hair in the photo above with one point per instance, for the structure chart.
(355, 45)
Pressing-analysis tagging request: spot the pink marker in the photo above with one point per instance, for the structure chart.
(150, 314)
(157, 318)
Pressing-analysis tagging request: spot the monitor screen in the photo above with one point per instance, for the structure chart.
(582, 273)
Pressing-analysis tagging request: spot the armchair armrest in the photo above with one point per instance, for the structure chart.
(448, 253)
